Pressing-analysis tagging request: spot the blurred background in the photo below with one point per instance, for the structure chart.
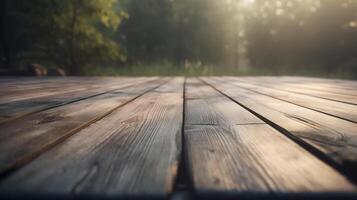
(179, 37)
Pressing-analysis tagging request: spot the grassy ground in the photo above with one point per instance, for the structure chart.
(167, 69)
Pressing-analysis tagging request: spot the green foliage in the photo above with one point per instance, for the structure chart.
(71, 33)
(182, 37)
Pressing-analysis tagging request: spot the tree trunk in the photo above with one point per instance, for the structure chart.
(5, 44)
(75, 70)
(236, 51)
(179, 33)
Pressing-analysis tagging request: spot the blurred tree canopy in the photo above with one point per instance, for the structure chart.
(71, 33)
(263, 35)
(304, 33)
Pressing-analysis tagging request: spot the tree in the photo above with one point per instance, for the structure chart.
(4, 33)
(148, 30)
(295, 35)
(71, 33)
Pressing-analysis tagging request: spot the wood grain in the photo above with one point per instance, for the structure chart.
(132, 152)
(338, 109)
(27, 102)
(206, 107)
(327, 85)
(250, 159)
(38, 132)
(17, 90)
(333, 136)
(338, 91)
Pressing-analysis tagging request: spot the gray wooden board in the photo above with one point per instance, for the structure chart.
(206, 107)
(39, 87)
(335, 137)
(16, 109)
(330, 83)
(29, 89)
(22, 139)
(330, 94)
(326, 85)
(338, 109)
(249, 158)
(42, 94)
(132, 152)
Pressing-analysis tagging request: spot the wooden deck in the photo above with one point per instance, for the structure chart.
(178, 138)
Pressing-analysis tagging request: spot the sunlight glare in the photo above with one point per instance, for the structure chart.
(247, 2)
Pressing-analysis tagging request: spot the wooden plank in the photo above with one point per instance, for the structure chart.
(338, 109)
(131, 153)
(328, 87)
(334, 137)
(38, 132)
(250, 159)
(19, 108)
(330, 95)
(39, 87)
(332, 83)
(206, 107)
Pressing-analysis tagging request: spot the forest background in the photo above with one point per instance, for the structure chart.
(180, 37)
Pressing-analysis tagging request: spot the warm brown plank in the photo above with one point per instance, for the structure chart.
(37, 132)
(48, 99)
(132, 152)
(338, 109)
(237, 157)
(333, 136)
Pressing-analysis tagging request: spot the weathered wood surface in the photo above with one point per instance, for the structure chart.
(338, 109)
(33, 88)
(333, 136)
(332, 90)
(241, 137)
(132, 152)
(25, 102)
(246, 156)
(38, 132)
